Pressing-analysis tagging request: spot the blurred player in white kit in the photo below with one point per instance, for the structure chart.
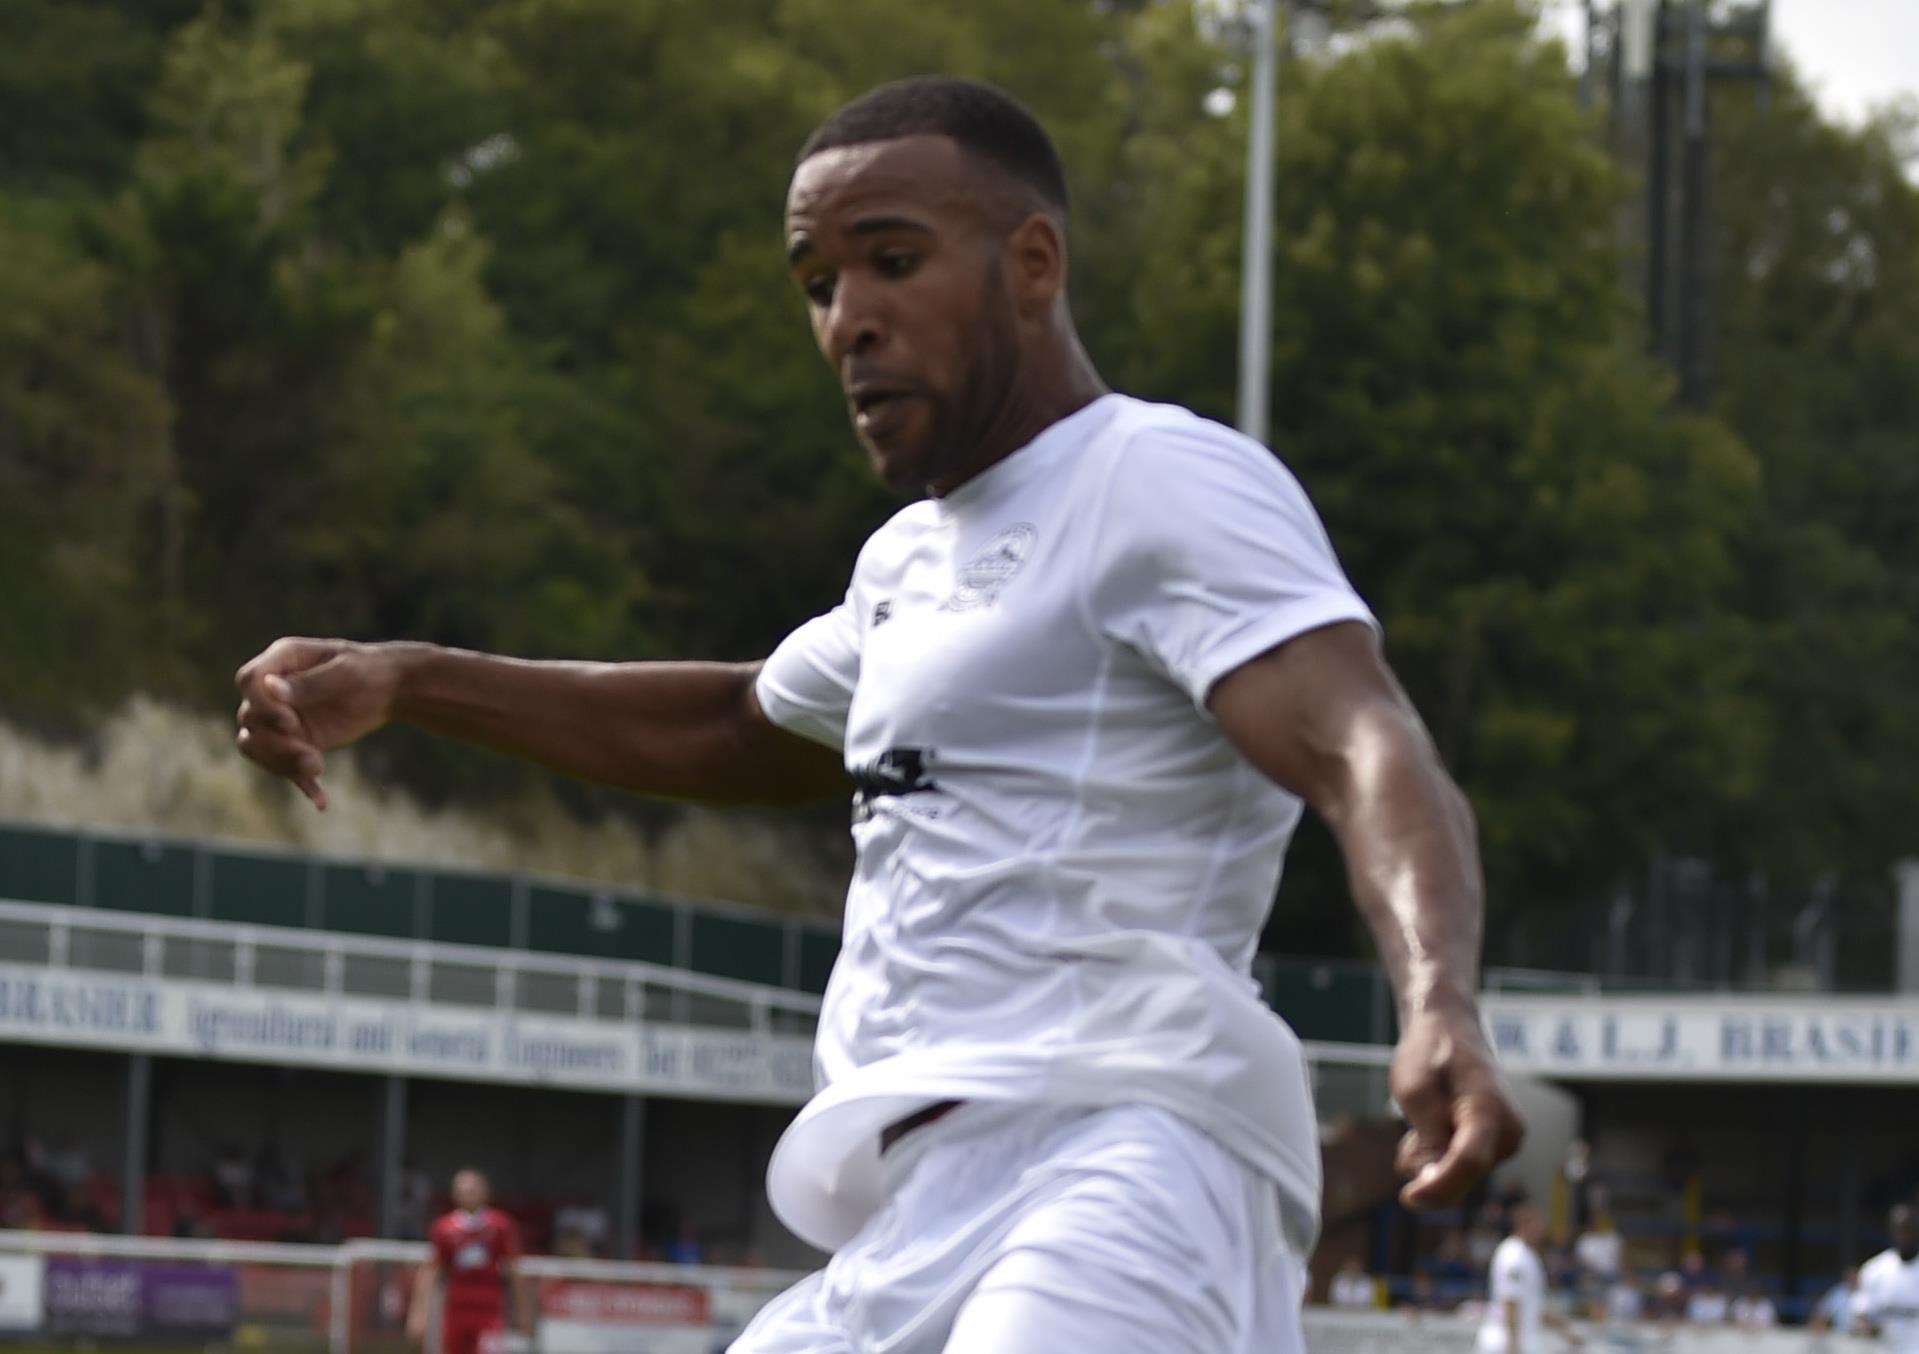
(1516, 1315)
(1887, 1303)
(1084, 687)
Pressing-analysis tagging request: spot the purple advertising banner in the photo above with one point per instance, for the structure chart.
(123, 1298)
(92, 1297)
(190, 1299)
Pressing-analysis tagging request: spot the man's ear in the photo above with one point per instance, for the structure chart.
(1036, 251)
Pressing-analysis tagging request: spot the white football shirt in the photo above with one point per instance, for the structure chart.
(1063, 865)
(1516, 1276)
(1889, 1297)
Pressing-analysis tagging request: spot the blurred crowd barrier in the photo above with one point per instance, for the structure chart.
(1336, 1332)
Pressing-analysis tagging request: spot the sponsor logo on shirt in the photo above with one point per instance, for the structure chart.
(882, 612)
(897, 771)
(979, 581)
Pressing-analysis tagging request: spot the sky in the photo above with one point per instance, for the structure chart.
(1855, 54)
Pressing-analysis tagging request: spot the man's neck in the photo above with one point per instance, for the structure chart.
(1058, 389)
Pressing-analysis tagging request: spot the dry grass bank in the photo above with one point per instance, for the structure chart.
(155, 768)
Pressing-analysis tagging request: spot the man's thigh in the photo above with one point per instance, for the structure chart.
(1030, 1306)
(1161, 1243)
(1083, 1232)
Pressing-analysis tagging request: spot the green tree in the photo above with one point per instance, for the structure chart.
(1818, 355)
(85, 476)
(1551, 547)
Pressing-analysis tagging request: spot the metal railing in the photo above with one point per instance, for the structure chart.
(259, 884)
(438, 972)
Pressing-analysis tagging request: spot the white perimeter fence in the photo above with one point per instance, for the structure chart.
(1334, 1332)
(61, 1290)
(64, 1290)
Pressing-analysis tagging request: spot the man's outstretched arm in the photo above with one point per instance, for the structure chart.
(683, 730)
(1324, 717)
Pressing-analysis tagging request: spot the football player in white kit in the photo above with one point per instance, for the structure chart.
(1887, 1303)
(1084, 685)
(1516, 1314)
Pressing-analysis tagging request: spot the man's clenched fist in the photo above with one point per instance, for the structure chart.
(301, 698)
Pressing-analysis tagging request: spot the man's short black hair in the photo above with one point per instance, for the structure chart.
(984, 120)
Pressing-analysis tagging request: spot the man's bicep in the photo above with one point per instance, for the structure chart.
(1303, 711)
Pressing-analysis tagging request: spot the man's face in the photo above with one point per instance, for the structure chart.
(469, 1190)
(897, 247)
(1905, 1232)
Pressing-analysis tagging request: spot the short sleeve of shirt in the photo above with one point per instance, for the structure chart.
(806, 687)
(1508, 1279)
(1209, 554)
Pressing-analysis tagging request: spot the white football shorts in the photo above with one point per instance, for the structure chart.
(1036, 1229)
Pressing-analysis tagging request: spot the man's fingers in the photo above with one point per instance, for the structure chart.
(268, 714)
(291, 758)
(310, 688)
(1476, 1147)
(1415, 1153)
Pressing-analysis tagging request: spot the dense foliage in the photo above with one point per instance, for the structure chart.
(465, 319)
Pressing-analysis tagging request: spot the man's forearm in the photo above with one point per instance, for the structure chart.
(684, 730)
(1411, 852)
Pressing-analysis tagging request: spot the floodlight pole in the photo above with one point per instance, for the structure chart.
(1256, 268)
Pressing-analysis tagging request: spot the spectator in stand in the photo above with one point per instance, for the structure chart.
(1449, 1263)
(1624, 1304)
(20, 1208)
(1600, 1254)
(1562, 1271)
(69, 1171)
(348, 1185)
(1695, 1275)
(1753, 1310)
(416, 1199)
(1577, 1170)
(1888, 1300)
(686, 1248)
(586, 1224)
(1424, 1296)
(1483, 1238)
(1353, 1288)
(1668, 1298)
(277, 1181)
(1834, 1312)
(1735, 1271)
(1706, 1305)
(233, 1178)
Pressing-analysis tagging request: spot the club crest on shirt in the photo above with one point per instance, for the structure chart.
(980, 580)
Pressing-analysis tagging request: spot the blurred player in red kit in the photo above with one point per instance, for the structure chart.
(476, 1250)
